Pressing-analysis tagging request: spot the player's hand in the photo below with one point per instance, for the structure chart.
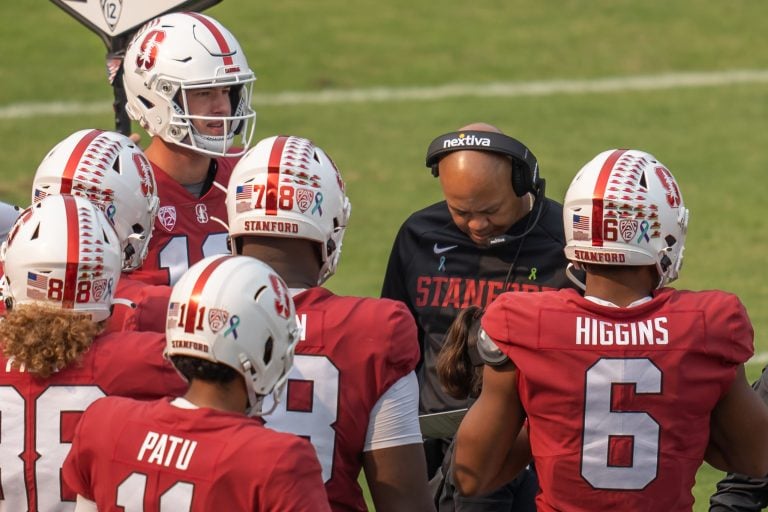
(135, 137)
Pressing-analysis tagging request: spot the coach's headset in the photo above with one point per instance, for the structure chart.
(525, 167)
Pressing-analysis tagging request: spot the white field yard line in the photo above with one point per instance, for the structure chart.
(490, 90)
(760, 358)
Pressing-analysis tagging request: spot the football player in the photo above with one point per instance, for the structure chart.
(628, 388)
(231, 333)
(352, 390)
(189, 86)
(62, 263)
(113, 173)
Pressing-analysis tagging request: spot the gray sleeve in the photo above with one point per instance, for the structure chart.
(740, 493)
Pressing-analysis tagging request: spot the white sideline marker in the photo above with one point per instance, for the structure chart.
(480, 90)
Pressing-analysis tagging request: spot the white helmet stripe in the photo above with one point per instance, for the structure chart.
(598, 196)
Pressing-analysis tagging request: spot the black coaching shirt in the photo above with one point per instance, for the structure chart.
(436, 270)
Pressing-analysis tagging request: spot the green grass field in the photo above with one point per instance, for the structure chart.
(549, 60)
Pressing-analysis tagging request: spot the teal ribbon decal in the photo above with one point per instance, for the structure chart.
(234, 322)
(441, 266)
(318, 203)
(644, 227)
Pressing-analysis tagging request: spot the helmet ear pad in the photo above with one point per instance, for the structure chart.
(525, 167)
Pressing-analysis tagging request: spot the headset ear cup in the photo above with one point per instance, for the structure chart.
(435, 170)
(521, 180)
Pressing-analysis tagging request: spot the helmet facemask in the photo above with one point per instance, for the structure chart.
(238, 126)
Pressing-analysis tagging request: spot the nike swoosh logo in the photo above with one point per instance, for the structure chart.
(441, 250)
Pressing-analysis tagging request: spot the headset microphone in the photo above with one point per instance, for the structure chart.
(538, 206)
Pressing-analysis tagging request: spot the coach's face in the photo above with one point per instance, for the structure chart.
(477, 186)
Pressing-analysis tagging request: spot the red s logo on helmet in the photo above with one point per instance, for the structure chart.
(145, 169)
(148, 50)
(670, 186)
(282, 302)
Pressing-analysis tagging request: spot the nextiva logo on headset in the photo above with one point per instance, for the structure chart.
(525, 167)
(467, 141)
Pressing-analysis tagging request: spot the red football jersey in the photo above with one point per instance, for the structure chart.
(350, 352)
(147, 308)
(619, 399)
(184, 231)
(154, 456)
(2, 303)
(38, 416)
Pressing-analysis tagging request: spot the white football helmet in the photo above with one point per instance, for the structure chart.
(236, 311)
(112, 172)
(62, 252)
(179, 52)
(288, 187)
(624, 208)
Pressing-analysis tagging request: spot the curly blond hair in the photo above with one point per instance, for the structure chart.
(44, 340)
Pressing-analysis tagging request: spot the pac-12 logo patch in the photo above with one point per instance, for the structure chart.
(304, 199)
(217, 318)
(628, 229)
(166, 215)
(111, 9)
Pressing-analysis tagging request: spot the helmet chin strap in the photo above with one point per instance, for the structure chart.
(570, 272)
(254, 401)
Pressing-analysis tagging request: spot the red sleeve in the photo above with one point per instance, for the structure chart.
(731, 314)
(75, 470)
(403, 354)
(132, 364)
(150, 313)
(494, 320)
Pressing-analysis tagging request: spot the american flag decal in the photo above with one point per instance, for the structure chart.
(581, 222)
(243, 192)
(37, 281)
